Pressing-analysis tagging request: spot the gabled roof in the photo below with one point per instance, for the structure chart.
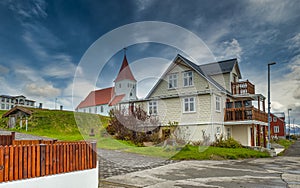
(220, 67)
(98, 97)
(116, 100)
(125, 72)
(16, 109)
(196, 68)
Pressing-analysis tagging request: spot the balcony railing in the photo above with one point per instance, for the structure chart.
(244, 87)
(244, 114)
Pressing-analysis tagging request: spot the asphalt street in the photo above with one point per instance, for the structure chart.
(283, 171)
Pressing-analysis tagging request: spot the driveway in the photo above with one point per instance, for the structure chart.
(278, 172)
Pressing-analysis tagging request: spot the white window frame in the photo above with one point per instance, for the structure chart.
(189, 102)
(218, 130)
(276, 129)
(218, 100)
(228, 130)
(274, 119)
(173, 80)
(152, 107)
(188, 78)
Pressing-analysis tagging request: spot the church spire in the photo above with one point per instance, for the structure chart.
(125, 72)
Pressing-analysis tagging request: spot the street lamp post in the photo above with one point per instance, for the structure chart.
(269, 106)
(289, 123)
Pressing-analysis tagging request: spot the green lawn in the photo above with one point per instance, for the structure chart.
(217, 153)
(285, 143)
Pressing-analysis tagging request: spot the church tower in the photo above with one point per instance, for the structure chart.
(125, 83)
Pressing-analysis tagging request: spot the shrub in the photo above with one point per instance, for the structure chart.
(228, 143)
(136, 127)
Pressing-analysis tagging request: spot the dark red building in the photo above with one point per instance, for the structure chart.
(277, 125)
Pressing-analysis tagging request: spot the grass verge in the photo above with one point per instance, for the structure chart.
(217, 153)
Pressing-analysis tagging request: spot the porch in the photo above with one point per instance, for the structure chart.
(248, 134)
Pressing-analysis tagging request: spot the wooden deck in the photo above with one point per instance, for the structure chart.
(244, 87)
(245, 113)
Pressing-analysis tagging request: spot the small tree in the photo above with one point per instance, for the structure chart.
(137, 126)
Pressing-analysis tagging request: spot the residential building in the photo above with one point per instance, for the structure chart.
(103, 100)
(277, 123)
(206, 101)
(8, 102)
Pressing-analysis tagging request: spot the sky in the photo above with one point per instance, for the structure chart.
(44, 45)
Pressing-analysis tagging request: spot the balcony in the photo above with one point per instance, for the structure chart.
(244, 114)
(244, 87)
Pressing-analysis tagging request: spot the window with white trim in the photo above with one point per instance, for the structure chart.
(189, 104)
(173, 80)
(228, 132)
(152, 107)
(188, 78)
(218, 130)
(276, 129)
(274, 119)
(218, 103)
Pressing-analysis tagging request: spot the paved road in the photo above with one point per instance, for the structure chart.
(23, 136)
(114, 162)
(275, 172)
(294, 150)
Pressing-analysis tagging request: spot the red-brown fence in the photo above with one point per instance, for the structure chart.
(33, 142)
(28, 161)
(7, 139)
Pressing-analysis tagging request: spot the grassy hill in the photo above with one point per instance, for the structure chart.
(62, 125)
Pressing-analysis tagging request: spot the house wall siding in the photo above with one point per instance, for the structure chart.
(200, 84)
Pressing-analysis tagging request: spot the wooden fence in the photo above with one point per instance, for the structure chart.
(28, 161)
(7, 139)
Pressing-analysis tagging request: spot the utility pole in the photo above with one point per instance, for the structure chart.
(289, 123)
(269, 106)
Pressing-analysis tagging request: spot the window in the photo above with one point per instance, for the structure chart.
(188, 78)
(218, 104)
(274, 119)
(95, 109)
(2, 99)
(189, 104)
(173, 81)
(7, 106)
(276, 129)
(228, 132)
(101, 108)
(90, 110)
(152, 107)
(218, 130)
(2, 106)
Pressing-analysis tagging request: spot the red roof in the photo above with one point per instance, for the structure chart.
(98, 97)
(125, 72)
(116, 100)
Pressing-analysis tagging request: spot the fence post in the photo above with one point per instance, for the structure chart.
(43, 159)
(94, 157)
(13, 135)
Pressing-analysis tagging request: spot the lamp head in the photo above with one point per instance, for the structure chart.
(272, 63)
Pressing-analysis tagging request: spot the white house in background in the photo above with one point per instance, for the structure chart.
(101, 101)
(7, 102)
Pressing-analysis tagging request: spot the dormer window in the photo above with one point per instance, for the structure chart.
(188, 78)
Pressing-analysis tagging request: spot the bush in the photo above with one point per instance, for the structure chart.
(136, 127)
(229, 143)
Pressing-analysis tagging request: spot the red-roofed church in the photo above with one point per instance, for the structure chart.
(102, 101)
